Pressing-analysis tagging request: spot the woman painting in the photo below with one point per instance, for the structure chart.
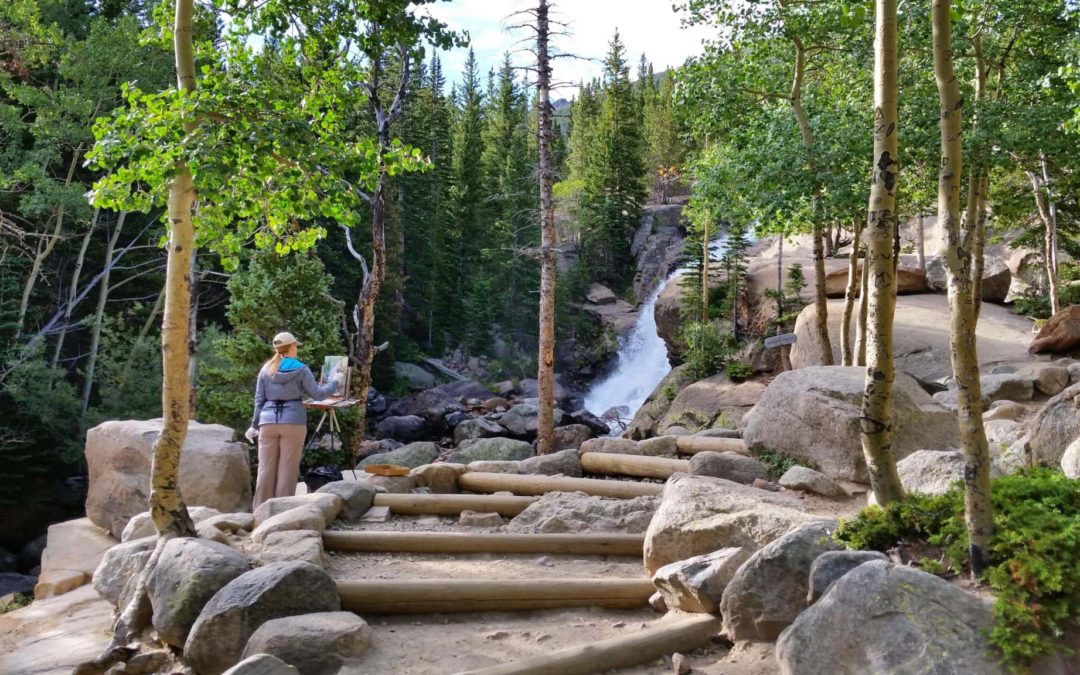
(280, 420)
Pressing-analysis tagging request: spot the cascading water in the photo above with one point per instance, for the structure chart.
(642, 360)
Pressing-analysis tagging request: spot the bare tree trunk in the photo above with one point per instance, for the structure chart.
(545, 421)
(920, 243)
(99, 314)
(69, 306)
(45, 249)
(822, 319)
(854, 275)
(1048, 214)
(876, 421)
(860, 328)
(705, 274)
(958, 252)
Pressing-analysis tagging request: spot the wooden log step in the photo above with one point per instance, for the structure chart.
(434, 596)
(691, 445)
(633, 465)
(538, 485)
(453, 504)
(600, 543)
(644, 646)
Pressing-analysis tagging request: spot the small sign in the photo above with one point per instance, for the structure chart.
(780, 340)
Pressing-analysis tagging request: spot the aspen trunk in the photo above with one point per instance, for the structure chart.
(978, 183)
(876, 421)
(846, 350)
(860, 328)
(45, 249)
(69, 306)
(1048, 215)
(705, 275)
(99, 314)
(920, 243)
(822, 320)
(977, 513)
(545, 421)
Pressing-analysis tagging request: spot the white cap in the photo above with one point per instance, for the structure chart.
(282, 339)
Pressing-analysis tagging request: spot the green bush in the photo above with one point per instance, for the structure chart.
(738, 370)
(707, 349)
(778, 462)
(1034, 553)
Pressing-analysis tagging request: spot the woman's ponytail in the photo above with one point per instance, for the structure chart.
(271, 366)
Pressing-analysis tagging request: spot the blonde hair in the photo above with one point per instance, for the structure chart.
(271, 366)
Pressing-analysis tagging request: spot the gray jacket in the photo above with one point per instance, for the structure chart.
(278, 396)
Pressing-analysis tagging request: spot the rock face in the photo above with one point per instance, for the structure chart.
(808, 480)
(729, 465)
(648, 416)
(317, 644)
(214, 470)
(501, 449)
(770, 588)
(72, 553)
(188, 574)
(921, 336)
(1055, 426)
(1060, 335)
(831, 565)
(931, 472)
(411, 455)
(236, 611)
(696, 584)
(698, 515)
(713, 402)
(812, 415)
(557, 512)
(882, 618)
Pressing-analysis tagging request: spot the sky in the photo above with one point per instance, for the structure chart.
(649, 26)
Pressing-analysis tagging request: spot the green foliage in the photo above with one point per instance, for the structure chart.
(1032, 553)
(708, 350)
(669, 392)
(128, 371)
(778, 462)
(1036, 301)
(738, 370)
(17, 601)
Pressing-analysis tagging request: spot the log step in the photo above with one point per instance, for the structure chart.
(467, 542)
(646, 466)
(453, 504)
(666, 637)
(538, 485)
(435, 596)
(691, 445)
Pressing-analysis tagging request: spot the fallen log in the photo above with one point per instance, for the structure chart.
(600, 543)
(633, 465)
(453, 504)
(665, 637)
(691, 445)
(434, 596)
(538, 485)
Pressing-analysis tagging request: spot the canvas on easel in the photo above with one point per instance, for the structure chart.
(336, 366)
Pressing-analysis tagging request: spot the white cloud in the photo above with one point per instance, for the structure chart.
(645, 26)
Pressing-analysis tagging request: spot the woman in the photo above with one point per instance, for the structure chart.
(280, 420)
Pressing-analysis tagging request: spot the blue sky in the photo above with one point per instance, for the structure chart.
(649, 26)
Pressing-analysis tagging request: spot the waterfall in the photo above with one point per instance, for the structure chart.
(641, 361)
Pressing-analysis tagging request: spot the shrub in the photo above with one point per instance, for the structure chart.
(1033, 553)
(707, 349)
(778, 462)
(737, 370)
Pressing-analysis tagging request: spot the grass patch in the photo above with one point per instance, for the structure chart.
(17, 601)
(778, 462)
(1034, 553)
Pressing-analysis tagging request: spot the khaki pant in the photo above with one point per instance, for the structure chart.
(280, 448)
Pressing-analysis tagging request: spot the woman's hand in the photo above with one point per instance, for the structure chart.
(251, 434)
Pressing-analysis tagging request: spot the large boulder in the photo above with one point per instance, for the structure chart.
(411, 455)
(1052, 380)
(73, 551)
(831, 565)
(307, 517)
(188, 574)
(884, 618)
(439, 478)
(713, 402)
(1070, 461)
(356, 497)
(997, 277)
(570, 437)
(414, 376)
(613, 445)
(698, 515)
(909, 279)
(223, 628)
(808, 480)
(317, 644)
(142, 524)
(647, 418)
(1055, 426)
(812, 414)
(487, 449)
(403, 428)
(521, 420)
(465, 390)
(214, 470)
(557, 512)
(931, 472)
(1007, 387)
(114, 576)
(696, 584)
(770, 588)
(327, 503)
(1059, 335)
(598, 294)
(564, 462)
(921, 336)
(476, 427)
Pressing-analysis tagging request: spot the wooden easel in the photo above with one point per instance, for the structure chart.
(329, 417)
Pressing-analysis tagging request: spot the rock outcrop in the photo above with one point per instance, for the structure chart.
(1056, 425)
(710, 403)
(1060, 335)
(812, 415)
(214, 470)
